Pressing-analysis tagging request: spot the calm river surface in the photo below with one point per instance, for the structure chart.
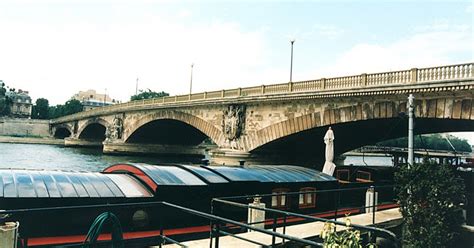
(31, 156)
(67, 158)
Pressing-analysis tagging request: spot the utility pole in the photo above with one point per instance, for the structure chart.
(411, 108)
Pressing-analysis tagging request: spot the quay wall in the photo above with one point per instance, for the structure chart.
(17, 127)
(31, 140)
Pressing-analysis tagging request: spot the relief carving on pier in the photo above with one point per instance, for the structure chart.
(233, 124)
(115, 130)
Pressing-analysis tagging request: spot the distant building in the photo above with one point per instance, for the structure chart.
(90, 99)
(21, 103)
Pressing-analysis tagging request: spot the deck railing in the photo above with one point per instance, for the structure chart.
(217, 222)
(412, 76)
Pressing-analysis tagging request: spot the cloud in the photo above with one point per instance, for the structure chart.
(437, 46)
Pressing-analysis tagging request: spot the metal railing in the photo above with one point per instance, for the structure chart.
(217, 223)
(412, 76)
(373, 231)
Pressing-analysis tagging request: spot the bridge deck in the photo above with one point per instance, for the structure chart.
(306, 230)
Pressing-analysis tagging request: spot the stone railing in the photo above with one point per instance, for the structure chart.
(412, 76)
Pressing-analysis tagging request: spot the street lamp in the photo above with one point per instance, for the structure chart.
(105, 95)
(191, 80)
(136, 87)
(292, 41)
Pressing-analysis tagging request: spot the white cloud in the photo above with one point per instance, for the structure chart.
(419, 50)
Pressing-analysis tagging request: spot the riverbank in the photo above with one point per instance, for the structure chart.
(31, 140)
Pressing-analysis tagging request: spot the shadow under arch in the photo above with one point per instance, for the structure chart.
(172, 127)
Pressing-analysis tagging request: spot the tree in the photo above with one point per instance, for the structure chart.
(70, 107)
(4, 100)
(430, 197)
(40, 109)
(148, 94)
(433, 141)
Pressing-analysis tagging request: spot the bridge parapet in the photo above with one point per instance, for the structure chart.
(329, 86)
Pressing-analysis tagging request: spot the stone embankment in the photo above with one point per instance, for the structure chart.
(31, 140)
(26, 131)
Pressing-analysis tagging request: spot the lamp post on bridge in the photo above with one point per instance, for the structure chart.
(191, 80)
(292, 41)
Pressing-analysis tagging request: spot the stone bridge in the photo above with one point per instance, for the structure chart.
(281, 123)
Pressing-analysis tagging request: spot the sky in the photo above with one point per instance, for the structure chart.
(54, 49)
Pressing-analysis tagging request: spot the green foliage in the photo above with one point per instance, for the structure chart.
(69, 108)
(148, 94)
(347, 238)
(430, 196)
(40, 109)
(4, 101)
(433, 141)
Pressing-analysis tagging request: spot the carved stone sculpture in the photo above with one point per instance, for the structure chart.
(233, 124)
(117, 128)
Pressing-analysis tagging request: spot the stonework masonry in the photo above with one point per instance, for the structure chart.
(245, 121)
(24, 127)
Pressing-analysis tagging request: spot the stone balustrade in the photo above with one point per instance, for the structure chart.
(412, 76)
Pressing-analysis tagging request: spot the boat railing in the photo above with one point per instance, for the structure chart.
(280, 215)
(217, 223)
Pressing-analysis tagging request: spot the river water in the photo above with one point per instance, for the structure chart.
(54, 157)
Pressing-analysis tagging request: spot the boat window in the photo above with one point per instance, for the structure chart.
(24, 185)
(206, 174)
(39, 185)
(99, 185)
(307, 197)
(64, 185)
(279, 199)
(363, 176)
(88, 186)
(170, 175)
(9, 187)
(129, 185)
(48, 180)
(76, 182)
(343, 175)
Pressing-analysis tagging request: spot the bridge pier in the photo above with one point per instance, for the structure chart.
(155, 149)
(230, 157)
(82, 142)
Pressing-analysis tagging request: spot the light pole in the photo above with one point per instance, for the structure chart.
(191, 80)
(105, 95)
(291, 62)
(136, 87)
(411, 109)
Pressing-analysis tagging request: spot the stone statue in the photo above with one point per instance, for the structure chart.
(233, 123)
(117, 128)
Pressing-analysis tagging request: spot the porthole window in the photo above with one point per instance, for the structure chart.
(307, 197)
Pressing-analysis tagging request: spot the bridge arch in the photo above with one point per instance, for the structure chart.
(377, 118)
(178, 118)
(93, 129)
(62, 131)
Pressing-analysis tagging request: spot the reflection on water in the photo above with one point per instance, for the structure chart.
(67, 158)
